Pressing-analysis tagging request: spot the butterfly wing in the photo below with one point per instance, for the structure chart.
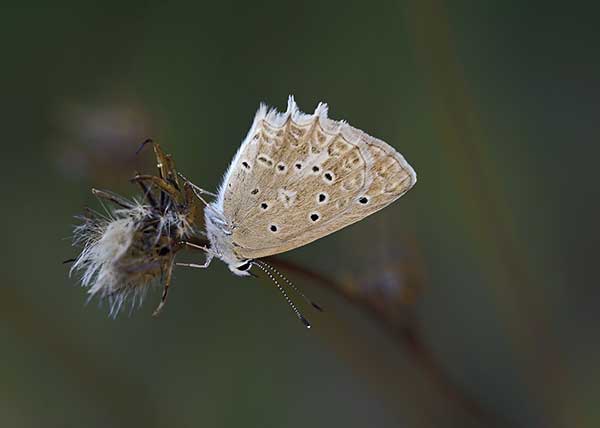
(299, 177)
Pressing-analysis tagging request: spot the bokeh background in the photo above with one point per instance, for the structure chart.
(472, 301)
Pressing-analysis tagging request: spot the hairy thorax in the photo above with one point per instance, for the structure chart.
(221, 240)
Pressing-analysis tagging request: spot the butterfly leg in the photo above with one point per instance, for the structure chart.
(209, 256)
(198, 191)
(206, 263)
(201, 191)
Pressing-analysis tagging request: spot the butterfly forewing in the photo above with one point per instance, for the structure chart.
(300, 177)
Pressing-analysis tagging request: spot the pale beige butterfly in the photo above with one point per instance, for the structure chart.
(297, 178)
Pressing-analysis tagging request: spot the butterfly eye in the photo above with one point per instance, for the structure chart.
(298, 165)
(363, 200)
(281, 167)
(244, 267)
(322, 197)
(273, 228)
(315, 217)
(328, 177)
(264, 206)
(316, 169)
(246, 165)
(254, 191)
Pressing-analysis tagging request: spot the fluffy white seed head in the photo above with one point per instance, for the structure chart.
(124, 254)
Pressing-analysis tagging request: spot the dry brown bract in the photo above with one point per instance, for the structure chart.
(134, 245)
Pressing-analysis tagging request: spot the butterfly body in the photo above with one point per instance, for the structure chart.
(219, 233)
(296, 178)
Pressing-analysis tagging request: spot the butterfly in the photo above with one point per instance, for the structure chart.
(296, 178)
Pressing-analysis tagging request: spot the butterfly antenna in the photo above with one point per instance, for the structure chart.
(284, 294)
(290, 284)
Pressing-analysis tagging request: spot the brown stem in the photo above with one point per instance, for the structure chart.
(407, 335)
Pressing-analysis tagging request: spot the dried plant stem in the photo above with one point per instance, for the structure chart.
(406, 335)
(461, 133)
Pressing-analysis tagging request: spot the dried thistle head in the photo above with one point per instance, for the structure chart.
(134, 245)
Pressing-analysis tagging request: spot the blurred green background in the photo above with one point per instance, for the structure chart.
(486, 267)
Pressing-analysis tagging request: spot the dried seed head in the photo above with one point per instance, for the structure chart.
(129, 251)
(134, 245)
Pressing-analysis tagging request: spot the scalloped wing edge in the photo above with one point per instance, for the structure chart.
(278, 119)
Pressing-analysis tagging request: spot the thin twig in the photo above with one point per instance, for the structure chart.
(407, 335)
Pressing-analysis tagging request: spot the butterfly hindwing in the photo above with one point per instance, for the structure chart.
(298, 177)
